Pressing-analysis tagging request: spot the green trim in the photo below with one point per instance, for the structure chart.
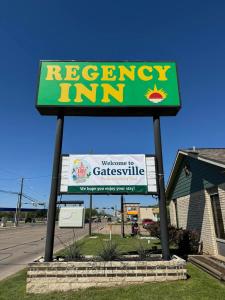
(108, 189)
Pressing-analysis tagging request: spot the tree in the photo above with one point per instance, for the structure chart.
(87, 213)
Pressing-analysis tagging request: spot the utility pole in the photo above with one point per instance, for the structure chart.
(122, 217)
(19, 203)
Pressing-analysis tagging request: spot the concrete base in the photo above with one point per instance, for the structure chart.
(64, 276)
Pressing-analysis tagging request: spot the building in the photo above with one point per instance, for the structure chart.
(147, 212)
(196, 196)
(133, 211)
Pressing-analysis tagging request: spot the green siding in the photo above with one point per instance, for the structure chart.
(202, 176)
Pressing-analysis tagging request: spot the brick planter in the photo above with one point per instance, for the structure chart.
(64, 276)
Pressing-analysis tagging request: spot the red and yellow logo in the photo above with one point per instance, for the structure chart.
(155, 95)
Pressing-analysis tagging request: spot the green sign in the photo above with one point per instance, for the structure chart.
(108, 88)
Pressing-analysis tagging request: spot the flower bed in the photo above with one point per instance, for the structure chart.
(64, 276)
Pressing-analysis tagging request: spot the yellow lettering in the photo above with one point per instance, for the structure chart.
(53, 71)
(83, 90)
(71, 72)
(142, 75)
(64, 92)
(107, 73)
(162, 72)
(86, 75)
(109, 90)
(124, 71)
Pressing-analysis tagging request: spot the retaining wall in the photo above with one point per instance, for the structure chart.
(64, 276)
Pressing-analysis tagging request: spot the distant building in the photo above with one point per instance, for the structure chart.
(196, 195)
(147, 212)
(133, 211)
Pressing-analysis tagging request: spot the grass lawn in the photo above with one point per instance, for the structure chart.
(92, 246)
(200, 285)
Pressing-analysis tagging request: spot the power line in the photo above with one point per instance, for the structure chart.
(23, 195)
(15, 178)
(9, 192)
(29, 178)
(37, 177)
(30, 198)
(25, 178)
(8, 171)
(31, 190)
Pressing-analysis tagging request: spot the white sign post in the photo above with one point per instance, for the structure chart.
(71, 217)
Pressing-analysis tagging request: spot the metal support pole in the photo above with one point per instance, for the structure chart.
(20, 200)
(122, 217)
(90, 215)
(54, 189)
(16, 214)
(161, 188)
(19, 204)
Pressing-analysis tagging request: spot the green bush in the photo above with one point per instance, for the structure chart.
(109, 251)
(141, 250)
(186, 241)
(154, 231)
(73, 252)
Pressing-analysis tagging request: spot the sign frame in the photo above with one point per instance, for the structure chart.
(106, 111)
(108, 193)
(65, 208)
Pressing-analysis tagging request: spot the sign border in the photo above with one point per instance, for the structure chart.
(147, 193)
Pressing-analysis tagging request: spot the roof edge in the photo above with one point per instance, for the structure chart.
(193, 155)
(202, 158)
(171, 177)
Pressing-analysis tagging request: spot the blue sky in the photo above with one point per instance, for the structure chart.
(188, 32)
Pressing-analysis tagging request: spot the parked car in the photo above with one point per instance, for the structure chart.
(146, 222)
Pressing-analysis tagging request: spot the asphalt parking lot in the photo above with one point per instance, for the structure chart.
(21, 245)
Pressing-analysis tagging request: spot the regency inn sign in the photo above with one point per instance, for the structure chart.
(100, 88)
(107, 88)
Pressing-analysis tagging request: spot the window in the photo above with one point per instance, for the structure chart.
(187, 169)
(176, 212)
(217, 216)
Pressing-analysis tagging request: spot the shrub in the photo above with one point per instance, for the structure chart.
(109, 251)
(141, 250)
(194, 241)
(154, 230)
(186, 241)
(73, 252)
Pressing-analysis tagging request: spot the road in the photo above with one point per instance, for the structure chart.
(19, 246)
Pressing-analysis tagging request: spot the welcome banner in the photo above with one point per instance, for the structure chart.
(108, 174)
